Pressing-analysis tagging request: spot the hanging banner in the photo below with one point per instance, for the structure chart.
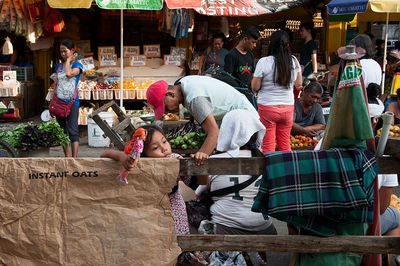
(69, 4)
(130, 4)
(172, 4)
(246, 8)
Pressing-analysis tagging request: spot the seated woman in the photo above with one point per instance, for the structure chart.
(239, 133)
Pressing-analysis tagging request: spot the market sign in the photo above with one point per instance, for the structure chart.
(108, 60)
(106, 50)
(69, 4)
(183, 3)
(241, 8)
(137, 60)
(172, 60)
(130, 4)
(152, 50)
(131, 50)
(88, 63)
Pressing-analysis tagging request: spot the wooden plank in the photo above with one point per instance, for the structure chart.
(103, 108)
(114, 138)
(255, 166)
(392, 146)
(122, 125)
(291, 243)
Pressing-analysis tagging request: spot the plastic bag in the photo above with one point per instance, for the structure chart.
(8, 47)
(227, 258)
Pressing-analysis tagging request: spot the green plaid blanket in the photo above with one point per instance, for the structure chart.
(315, 190)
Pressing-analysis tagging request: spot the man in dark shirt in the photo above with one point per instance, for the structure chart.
(308, 56)
(239, 62)
(308, 117)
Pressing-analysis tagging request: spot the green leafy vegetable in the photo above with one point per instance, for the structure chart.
(56, 132)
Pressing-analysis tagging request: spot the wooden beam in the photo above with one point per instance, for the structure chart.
(103, 108)
(291, 243)
(255, 166)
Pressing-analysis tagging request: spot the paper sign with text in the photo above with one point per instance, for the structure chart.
(106, 50)
(179, 51)
(152, 50)
(131, 50)
(108, 60)
(174, 60)
(88, 63)
(137, 60)
(9, 77)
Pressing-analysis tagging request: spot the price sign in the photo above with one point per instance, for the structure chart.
(152, 50)
(108, 59)
(9, 77)
(174, 60)
(88, 63)
(137, 60)
(131, 50)
(179, 51)
(106, 50)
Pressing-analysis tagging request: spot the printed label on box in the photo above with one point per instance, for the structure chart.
(174, 60)
(137, 60)
(106, 50)
(152, 50)
(88, 63)
(108, 60)
(131, 50)
(179, 51)
(9, 77)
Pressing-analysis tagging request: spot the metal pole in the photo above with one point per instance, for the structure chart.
(121, 87)
(384, 54)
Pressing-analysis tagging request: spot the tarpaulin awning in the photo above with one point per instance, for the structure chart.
(341, 7)
(130, 4)
(243, 8)
(173, 4)
(69, 4)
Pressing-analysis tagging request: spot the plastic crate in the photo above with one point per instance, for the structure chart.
(124, 94)
(96, 94)
(103, 94)
(141, 94)
(12, 92)
(3, 92)
(131, 94)
(24, 73)
(110, 94)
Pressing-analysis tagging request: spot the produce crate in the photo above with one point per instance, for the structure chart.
(109, 94)
(12, 92)
(124, 94)
(24, 73)
(141, 94)
(131, 94)
(3, 92)
(84, 94)
(95, 95)
(103, 94)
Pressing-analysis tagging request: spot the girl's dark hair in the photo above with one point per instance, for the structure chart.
(364, 41)
(308, 26)
(219, 35)
(69, 44)
(373, 92)
(251, 145)
(279, 48)
(150, 132)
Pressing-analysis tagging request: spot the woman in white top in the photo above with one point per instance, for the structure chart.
(371, 70)
(274, 78)
(375, 105)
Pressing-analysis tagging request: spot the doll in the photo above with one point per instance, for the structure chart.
(133, 148)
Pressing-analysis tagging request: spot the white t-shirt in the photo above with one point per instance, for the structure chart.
(234, 210)
(272, 93)
(376, 109)
(371, 72)
(387, 180)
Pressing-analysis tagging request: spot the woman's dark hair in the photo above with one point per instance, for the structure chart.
(364, 41)
(251, 145)
(279, 48)
(69, 44)
(308, 26)
(218, 35)
(373, 92)
(150, 132)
